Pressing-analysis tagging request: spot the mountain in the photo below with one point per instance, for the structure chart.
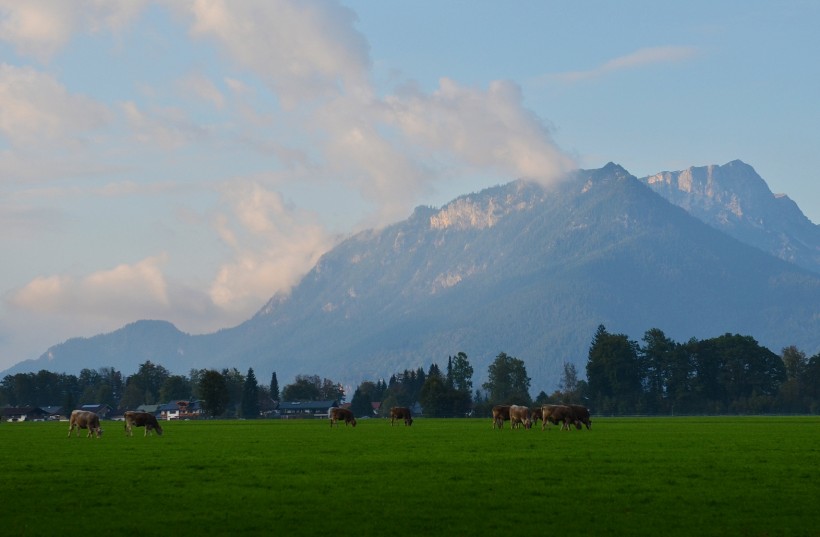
(736, 200)
(515, 268)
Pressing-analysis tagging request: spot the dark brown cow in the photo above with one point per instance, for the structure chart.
(501, 413)
(84, 419)
(335, 414)
(141, 419)
(535, 415)
(581, 415)
(520, 415)
(401, 413)
(557, 413)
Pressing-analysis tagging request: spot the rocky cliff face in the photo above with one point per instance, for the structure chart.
(736, 200)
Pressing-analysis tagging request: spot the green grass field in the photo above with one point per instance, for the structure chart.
(643, 476)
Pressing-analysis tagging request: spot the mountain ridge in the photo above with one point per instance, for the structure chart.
(515, 268)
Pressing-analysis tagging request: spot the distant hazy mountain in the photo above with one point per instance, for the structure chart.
(514, 268)
(735, 199)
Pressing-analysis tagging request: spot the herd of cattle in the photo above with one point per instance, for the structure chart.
(517, 415)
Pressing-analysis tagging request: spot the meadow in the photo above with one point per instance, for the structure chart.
(756, 476)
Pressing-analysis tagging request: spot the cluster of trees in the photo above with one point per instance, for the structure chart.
(441, 393)
(726, 374)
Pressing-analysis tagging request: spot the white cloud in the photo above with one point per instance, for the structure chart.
(273, 245)
(197, 85)
(302, 49)
(639, 58)
(39, 28)
(485, 129)
(167, 128)
(36, 109)
(122, 292)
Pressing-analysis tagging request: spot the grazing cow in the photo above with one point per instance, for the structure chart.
(401, 413)
(335, 414)
(84, 419)
(555, 414)
(581, 415)
(141, 419)
(520, 415)
(501, 413)
(535, 415)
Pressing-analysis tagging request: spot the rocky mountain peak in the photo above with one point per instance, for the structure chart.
(736, 200)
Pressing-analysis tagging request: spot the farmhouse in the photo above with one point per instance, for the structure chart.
(23, 413)
(101, 410)
(305, 409)
(181, 410)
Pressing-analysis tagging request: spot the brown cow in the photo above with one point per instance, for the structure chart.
(141, 419)
(535, 415)
(84, 419)
(335, 414)
(581, 415)
(555, 414)
(401, 413)
(520, 415)
(501, 413)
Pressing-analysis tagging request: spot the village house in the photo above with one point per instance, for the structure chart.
(181, 410)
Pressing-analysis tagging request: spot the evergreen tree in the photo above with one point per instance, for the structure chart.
(433, 395)
(614, 372)
(250, 396)
(274, 387)
(361, 404)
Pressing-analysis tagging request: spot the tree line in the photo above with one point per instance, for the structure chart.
(731, 373)
(726, 374)
(224, 393)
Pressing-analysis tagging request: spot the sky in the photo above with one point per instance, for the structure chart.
(186, 160)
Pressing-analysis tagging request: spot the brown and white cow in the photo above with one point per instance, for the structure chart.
(581, 415)
(141, 419)
(501, 413)
(398, 413)
(335, 414)
(520, 415)
(84, 419)
(555, 414)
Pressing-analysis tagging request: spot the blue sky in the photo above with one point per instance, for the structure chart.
(185, 160)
